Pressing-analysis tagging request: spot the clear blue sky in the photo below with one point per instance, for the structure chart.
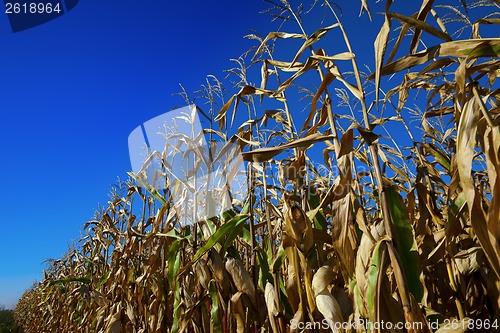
(72, 90)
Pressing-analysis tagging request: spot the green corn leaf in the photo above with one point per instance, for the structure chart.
(455, 208)
(174, 264)
(175, 234)
(233, 233)
(440, 157)
(278, 260)
(68, 280)
(219, 234)
(405, 241)
(263, 267)
(375, 273)
(215, 307)
(314, 201)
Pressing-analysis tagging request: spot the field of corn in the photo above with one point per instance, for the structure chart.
(373, 193)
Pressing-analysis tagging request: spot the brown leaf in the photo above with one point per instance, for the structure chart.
(467, 129)
(327, 79)
(364, 7)
(221, 116)
(265, 154)
(280, 35)
(471, 48)
(380, 46)
(285, 66)
(419, 24)
(316, 36)
(422, 15)
(299, 227)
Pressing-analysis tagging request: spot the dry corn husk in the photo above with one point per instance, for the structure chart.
(237, 312)
(299, 227)
(219, 271)
(469, 261)
(272, 307)
(325, 302)
(297, 318)
(202, 273)
(363, 255)
(330, 309)
(241, 278)
(322, 278)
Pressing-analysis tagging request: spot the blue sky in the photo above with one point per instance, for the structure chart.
(71, 91)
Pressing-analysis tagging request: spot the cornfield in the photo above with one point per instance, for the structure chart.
(373, 193)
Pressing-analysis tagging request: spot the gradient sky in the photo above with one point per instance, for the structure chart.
(72, 90)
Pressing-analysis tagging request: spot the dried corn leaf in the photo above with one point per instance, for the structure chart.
(265, 154)
(471, 48)
(421, 16)
(380, 47)
(419, 24)
(279, 35)
(316, 36)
